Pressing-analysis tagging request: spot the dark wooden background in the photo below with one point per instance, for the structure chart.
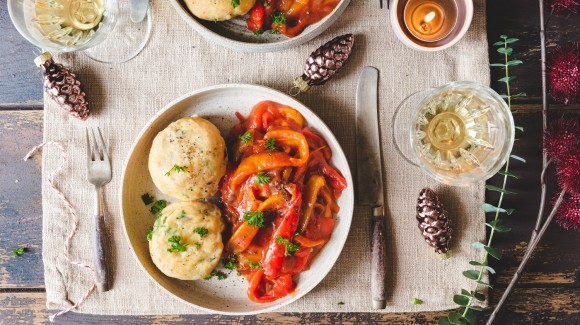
(548, 292)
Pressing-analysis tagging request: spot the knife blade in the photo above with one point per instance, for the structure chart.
(139, 10)
(370, 177)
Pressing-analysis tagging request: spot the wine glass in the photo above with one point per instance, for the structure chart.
(460, 133)
(100, 28)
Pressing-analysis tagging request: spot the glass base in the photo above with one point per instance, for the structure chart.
(126, 40)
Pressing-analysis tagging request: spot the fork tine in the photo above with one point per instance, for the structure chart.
(105, 154)
(96, 149)
(90, 156)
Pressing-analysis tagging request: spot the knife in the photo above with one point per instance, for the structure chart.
(139, 10)
(369, 177)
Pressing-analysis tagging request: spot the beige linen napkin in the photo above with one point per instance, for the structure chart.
(177, 60)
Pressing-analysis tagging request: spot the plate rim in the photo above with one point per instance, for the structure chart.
(241, 46)
(347, 174)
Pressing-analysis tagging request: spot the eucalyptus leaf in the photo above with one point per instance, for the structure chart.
(461, 300)
(484, 284)
(471, 274)
(521, 128)
(503, 36)
(522, 94)
(514, 62)
(478, 295)
(497, 65)
(456, 318)
(502, 228)
(511, 40)
(470, 316)
(465, 292)
(443, 321)
(504, 173)
(499, 43)
(477, 244)
(505, 96)
(505, 50)
(497, 189)
(490, 269)
(488, 208)
(476, 308)
(507, 79)
(495, 252)
(475, 263)
(518, 158)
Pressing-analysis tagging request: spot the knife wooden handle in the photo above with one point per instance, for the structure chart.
(378, 261)
(99, 257)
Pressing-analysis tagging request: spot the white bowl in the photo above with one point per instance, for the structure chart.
(234, 34)
(464, 17)
(218, 104)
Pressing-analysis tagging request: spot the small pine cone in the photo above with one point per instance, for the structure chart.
(325, 62)
(434, 221)
(63, 86)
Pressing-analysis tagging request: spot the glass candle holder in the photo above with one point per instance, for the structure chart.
(430, 20)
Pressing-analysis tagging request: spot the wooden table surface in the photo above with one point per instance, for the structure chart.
(548, 292)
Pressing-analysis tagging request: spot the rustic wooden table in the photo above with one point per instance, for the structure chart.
(547, 293)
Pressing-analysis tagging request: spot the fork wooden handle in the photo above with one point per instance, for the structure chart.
(99, 258)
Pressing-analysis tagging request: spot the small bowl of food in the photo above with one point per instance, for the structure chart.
(260, 26)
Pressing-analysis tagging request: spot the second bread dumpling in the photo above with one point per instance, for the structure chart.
(186, 240)
(188, 159)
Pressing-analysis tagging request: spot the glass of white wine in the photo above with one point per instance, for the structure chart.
(100, 28)
(460, 133)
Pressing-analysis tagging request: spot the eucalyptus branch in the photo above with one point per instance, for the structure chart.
(467, 298)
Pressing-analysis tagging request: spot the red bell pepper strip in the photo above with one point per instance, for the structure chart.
(279, 287)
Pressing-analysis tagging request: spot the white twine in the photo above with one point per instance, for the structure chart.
(72, 213)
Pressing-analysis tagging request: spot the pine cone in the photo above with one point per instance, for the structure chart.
(63, 86)
(434, 221)
(325, 62)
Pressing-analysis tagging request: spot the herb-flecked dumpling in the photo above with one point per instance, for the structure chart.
(217, 10)
(188, 159)
(186, 240)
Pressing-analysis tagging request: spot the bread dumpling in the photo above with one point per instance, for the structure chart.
(218, 9)
(188, 159)
(186, 240)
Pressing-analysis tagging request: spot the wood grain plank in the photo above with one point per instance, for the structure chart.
(20, 80)
(534, 306)
(20, 200)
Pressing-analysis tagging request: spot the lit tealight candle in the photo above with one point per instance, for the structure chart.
(430, 20)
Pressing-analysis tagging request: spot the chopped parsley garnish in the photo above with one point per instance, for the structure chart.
(150, 234)
(158, 206)
(182, 215)
(290, 247)
(19, 251)
(341, 303)
(253, 265)
(271, 144)
(201, 231)
(197, 245)
(235, 3)
(266, 4)
(247, 136)
(259, 31)
(417, 301)
(177, 168)
(176, 246)
(262, 178)
(278, 18)
(230, 263)
(147, 199)
(254, 218)
(274, 31)
(219, 274)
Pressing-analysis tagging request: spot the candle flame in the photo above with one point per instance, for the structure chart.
(429, 17)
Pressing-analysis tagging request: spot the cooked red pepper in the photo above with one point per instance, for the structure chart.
(263, 289)
(255, 22)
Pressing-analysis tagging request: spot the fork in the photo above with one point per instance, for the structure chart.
(98, 174)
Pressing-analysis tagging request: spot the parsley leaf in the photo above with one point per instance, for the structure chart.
(201, 231)
(19, 251)
(417, 301)
(262, 178)
(235, 3)
(230, 263)
(176, 246)
(253, 265)
(219, 274)
(150, 234)
(259, 31)
(290, 247)
(271, 144)
(254, 218)
(158, 206)
(182, 215)
(278, 18)
(266, 4)
(147, 199)
(341, 303)
(177, 168)
(246, 137)
(197, 245)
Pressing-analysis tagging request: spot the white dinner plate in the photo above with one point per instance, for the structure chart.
(218, 104)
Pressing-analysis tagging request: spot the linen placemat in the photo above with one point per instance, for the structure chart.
(177, 60)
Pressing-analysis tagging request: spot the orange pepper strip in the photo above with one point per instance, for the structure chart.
(313, 186)
(305, 242)
(243, 236)
(292, 114)
(329, 199)
(272, 160)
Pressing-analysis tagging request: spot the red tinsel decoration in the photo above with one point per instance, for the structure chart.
(564, 74)
(565, 6)
(562, 136)
(569, 212)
